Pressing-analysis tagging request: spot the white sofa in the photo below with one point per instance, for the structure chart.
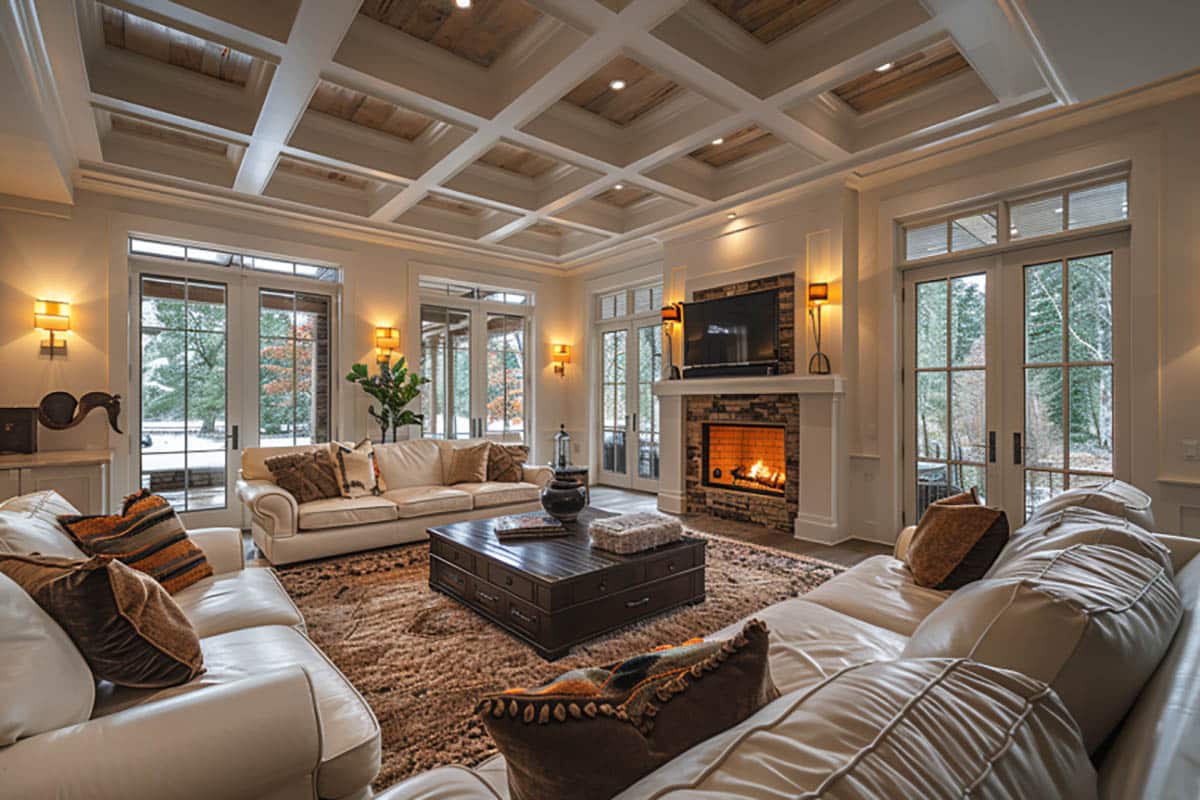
(270, 718)
(416, 498)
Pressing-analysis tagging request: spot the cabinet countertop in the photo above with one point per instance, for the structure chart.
(55, 458)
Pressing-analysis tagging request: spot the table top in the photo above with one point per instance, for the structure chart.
(549, 559)
(55, 458)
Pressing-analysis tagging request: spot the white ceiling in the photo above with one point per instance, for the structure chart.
(1019, 61)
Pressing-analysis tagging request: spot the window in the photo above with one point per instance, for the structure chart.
(952, 235)
(647, 298)
(636, 301)
(613, 305)
(506, 377)
(222, 258)
(433, 286)
(446, 362)
(1083, 207)
(293, 347)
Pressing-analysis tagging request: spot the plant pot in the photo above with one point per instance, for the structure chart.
(564, 499)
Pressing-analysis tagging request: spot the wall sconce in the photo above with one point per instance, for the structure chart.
(386, 340)
(560, 354)
(53, 316)
(818, 295)
(671, 316)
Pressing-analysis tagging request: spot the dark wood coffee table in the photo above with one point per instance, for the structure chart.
(554, 593)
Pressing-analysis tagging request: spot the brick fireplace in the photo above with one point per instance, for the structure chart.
(748, 458)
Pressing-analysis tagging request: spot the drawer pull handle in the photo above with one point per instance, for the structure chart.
(603, 586)
(670, 566)
(508, 580)
(636, 603)
(528, 620)
(487, 597)
(458, 580)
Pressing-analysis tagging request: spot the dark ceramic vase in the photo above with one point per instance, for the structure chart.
(563, 499)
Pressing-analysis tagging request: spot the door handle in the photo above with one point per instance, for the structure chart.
(234, 439)
(1017, 447)
(992, 447)
(635, 423)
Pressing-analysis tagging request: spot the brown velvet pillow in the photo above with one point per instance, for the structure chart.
(127, 627)
(956, 542)
(590, 733)
(505, 462)
(466, 464)
(306, 476)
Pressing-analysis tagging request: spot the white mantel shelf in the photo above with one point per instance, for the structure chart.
(758, 384)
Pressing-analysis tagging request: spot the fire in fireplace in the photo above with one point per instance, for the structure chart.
(748, 458)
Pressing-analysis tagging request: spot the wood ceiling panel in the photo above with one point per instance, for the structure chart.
(439, 203)
(170, 46)
(742, 143)
(907, 76)
(370, 112)
(624, 197)
(481, 33)
(519, 160)
(645, 90)
(318, 172)
(767, 20)
(146, 130)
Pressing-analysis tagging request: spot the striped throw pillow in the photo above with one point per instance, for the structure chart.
(148, 536)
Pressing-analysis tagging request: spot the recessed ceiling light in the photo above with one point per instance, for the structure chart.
(619, 186)
(718, 140)
(732, 215)
(1058, 211)
(616, 84)
(884, 67)
(463, 3)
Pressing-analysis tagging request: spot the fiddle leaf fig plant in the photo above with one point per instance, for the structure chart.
(393, 388)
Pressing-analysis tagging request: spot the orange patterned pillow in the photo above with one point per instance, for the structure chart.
(148, 536)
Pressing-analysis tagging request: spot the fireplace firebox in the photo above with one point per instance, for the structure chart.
(745, 457)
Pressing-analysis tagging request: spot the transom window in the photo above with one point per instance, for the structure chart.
(226, 258)
(434, 286)
(638, 300)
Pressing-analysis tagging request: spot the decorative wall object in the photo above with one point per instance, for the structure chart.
(18, 430)
(59, 411)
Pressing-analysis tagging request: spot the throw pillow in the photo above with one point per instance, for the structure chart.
(357, 472)
(591, 732)
(505, 463)
(125, 625)
(956, 542)
(148, 536)
(306, 476)
(466, 464)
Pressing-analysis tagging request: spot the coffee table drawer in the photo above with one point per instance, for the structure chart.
(448, 577)
(640, 601)
(489, 599)
(525, 617)
(671, 564)
(510, 581)
(453, 554)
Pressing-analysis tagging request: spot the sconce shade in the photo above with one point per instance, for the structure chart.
(672, 313)
(561, 353)
(387, 338)
(51, 315)
(818, 293)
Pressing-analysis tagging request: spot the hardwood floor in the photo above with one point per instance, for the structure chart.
(847, 553)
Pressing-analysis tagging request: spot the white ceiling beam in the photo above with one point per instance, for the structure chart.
(996, 47)
(319, 28)
(60, 36)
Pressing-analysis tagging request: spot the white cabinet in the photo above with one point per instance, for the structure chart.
(81, 476)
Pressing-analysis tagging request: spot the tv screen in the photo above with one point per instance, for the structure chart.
(732, 330)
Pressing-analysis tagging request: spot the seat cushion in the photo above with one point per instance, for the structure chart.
(500, 493)
(421, 501)
(1110, 496)
(240, 599)
(881, 591)
(350, 749)
(1076, 525)
(342, 512)
(935, 728)
(1092, 621)
(416, 462)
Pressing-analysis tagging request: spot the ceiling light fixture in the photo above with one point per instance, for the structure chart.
(732, 215)
(718, 140)
(463, 3)
(619, 186)
(616, 84)
(884, 67)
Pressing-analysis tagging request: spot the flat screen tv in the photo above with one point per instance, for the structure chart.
(732, 335)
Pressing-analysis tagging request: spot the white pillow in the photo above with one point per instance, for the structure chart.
(356, 468)
(24, 534)
(44, 682)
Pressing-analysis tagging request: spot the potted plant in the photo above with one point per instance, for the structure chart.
(393, 388)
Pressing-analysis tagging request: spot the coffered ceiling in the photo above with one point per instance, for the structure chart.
(553, 130)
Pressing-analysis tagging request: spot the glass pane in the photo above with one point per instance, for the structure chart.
(166, 474)
(1035, 217)
(163, 301)
(157, 248)
(1043, 417)
(931, 324)
(610, 405)
(1090, 293)
(925, 241)
(1044, 313)
(974, 230)
(968, 321)
(205, 482)
(1091, 419)
(276, 392)
(966, 476)
(205, 383)
(205, 306)
(1039, 487)
(1097, 205)
(968, 419)
(275, 314)
(446, 362)
(931, 484)
(931, 415)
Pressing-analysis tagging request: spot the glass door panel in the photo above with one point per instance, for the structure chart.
(446, 362)
(505, 411)
(293, 386)
(649, 368)
(614, 418)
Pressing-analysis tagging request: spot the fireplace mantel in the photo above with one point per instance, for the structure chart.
(759, 384)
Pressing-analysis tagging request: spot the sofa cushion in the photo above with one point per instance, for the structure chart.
(935, 728)
(306, 476)
(254, 459)
(23, 534)
(505, 462)
(464, 463)
(239, 599)
(350, 749)
(1092, 621)
(1111, 496)
(490, 494)
(341, 512)
(956, 541)
(44, 682)
(356, 468)
(416, 462)
(1076, 525)
(879, 590)
(47, 505)
(421, 501)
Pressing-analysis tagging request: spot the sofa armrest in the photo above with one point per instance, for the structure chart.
(272, 507)
(903, 541)
(451, 782)
(222, 547)
(536, 475)
(255, 738)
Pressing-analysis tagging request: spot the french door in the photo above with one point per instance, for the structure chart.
(630, 362)
(224, 361)
(1013, 365)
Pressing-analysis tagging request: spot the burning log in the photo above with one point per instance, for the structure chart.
(759, 475)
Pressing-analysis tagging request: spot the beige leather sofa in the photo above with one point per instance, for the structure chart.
(271, 718)
(853, 630)
(416, 498)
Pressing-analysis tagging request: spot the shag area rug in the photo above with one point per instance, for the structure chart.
(422, 660)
